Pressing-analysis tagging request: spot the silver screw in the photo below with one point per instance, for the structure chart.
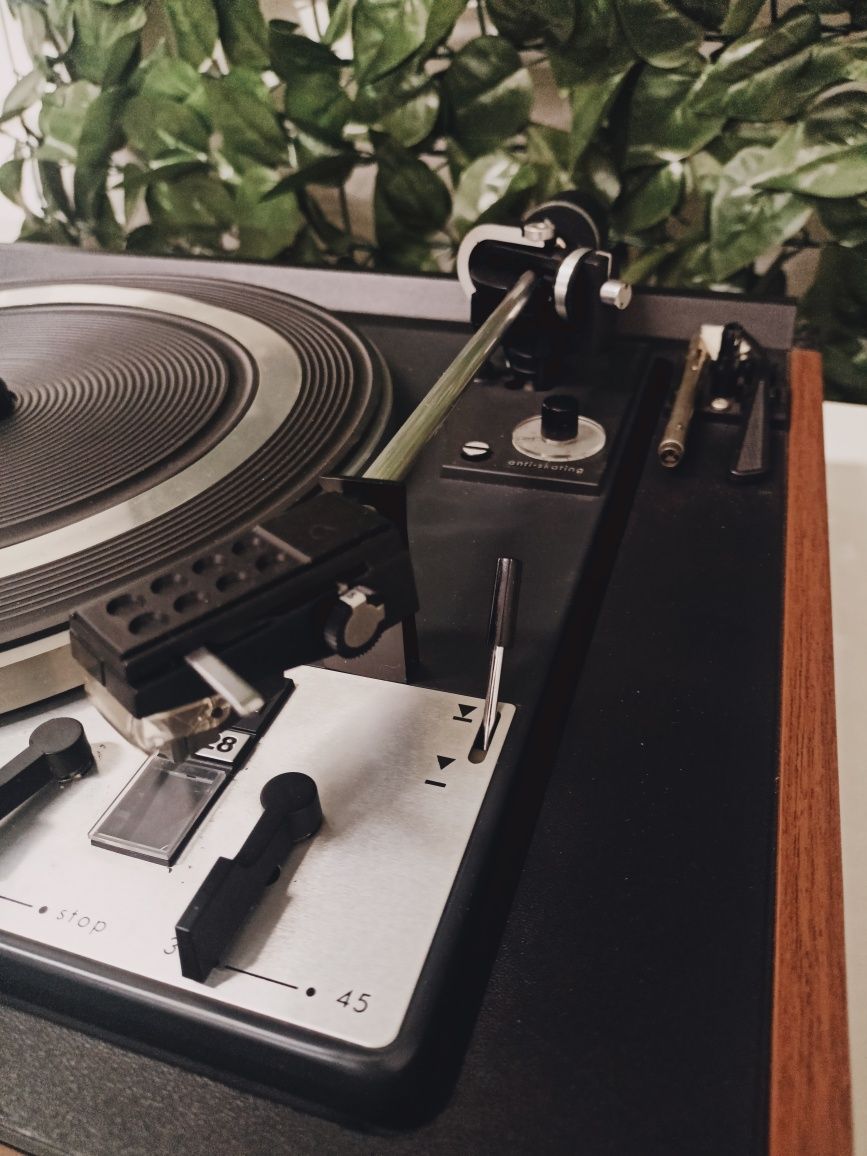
(720, 404)
(476, 451)
(539, 231)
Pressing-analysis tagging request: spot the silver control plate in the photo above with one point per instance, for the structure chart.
(339, 940)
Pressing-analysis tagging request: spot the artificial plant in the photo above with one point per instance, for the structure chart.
(722, 138)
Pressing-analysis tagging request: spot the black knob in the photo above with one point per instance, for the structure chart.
(504, 608)
(560, 417)
(64, 744)
(232, 888)
(7, 400)
(58, 749)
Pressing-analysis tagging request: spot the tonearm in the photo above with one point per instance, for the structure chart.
(170, 658)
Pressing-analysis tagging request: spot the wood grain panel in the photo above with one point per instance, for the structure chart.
(810, 1109)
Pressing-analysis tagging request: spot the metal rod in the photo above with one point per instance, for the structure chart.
(673, 445)
(397, 458)
(501, 631)
(492, 696)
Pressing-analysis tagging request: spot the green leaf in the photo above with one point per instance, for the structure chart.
(404, 104)
(845, 220)
(314, 98)
(745, 223)
(322, 163)
(46, 231)
(658, 32)
(316, 163)
(54, 194)
(591, 101)
(691, 266)
(136, 181)
(102, 227)
(741, 15)
(242, 112)
(489, 92)
(750, 54)
(649, 198)
(243, 32)
(105, 40)
(169, 78)
(709, 14)
(772, 73)
(410, 201)
(663, 124)
(340, 20)
(495, 187)
(270, 227)
(525, 21)
(441, 21)
(100, 136)
(597, 175)
(835, 307)
(33, 25)
(191, 203)
(836, 6)
(739, 134)
(194, 28)
(61, 118)
(643, 264)
(385, 33)
(826, 154)
(159, 129)
(596, 49)
(23, 95)
(265, 226)
(548, 151)
(11, 174)
(333, 238)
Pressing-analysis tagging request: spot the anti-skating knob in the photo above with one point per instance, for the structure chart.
(560, 418)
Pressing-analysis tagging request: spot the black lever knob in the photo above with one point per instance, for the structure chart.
(560, 417)
(58, 750)
(752, 459)
(233, 887)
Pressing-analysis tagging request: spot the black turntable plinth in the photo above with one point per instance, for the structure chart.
(600, 979)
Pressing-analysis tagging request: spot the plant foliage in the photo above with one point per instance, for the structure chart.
(720, 143)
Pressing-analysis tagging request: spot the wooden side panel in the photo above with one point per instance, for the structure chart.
(810, 1111)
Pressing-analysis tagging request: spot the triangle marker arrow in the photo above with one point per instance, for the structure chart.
(465, 709)
(443, 761)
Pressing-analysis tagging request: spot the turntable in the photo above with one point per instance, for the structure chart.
(277, 841)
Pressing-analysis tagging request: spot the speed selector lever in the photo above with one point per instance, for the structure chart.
(58, 751)
(233, 887)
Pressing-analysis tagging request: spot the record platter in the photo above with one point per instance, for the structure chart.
(330, 553)
(163, 414)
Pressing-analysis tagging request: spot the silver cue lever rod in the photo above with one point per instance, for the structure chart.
(501, 632)
(397, 458)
